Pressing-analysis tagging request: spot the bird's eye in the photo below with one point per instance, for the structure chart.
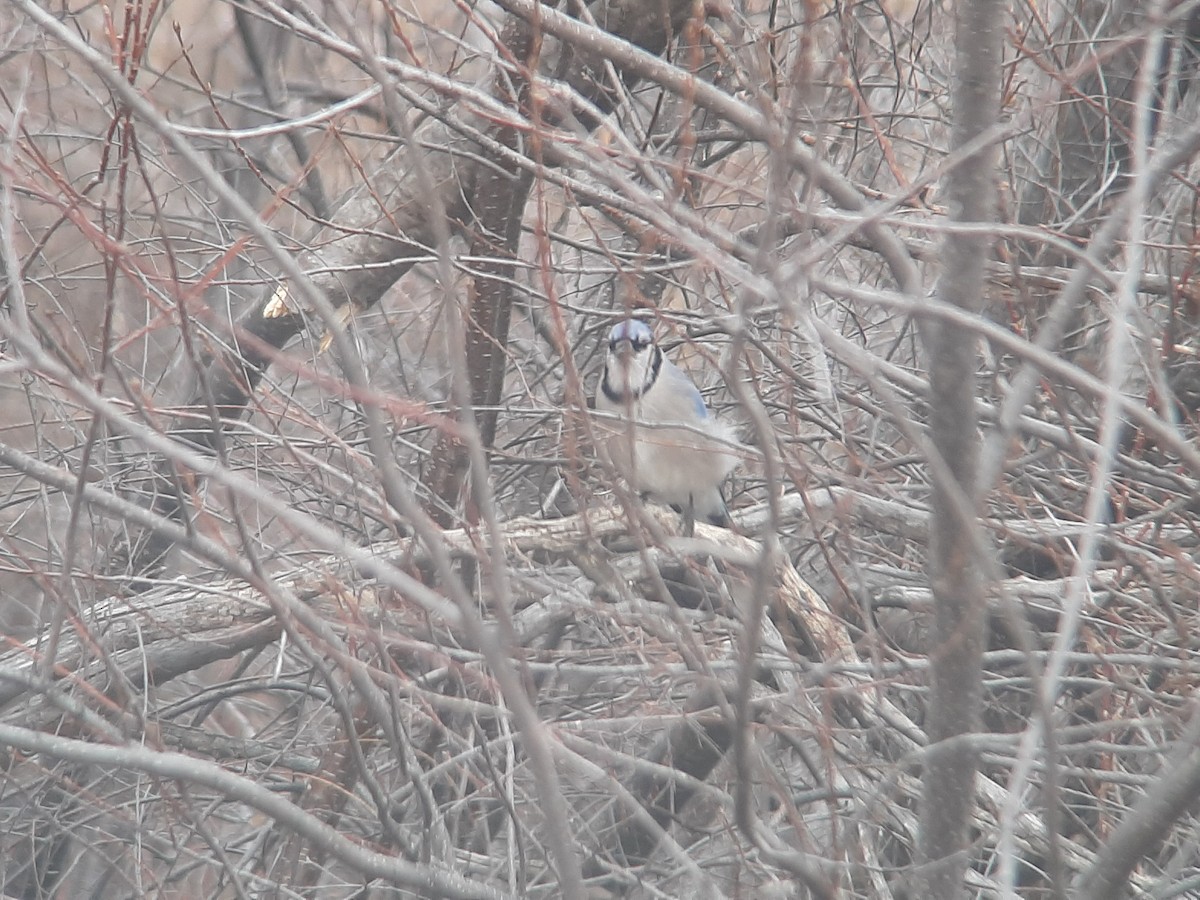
(637, 338)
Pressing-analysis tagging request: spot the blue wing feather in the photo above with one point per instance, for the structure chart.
(687, 390)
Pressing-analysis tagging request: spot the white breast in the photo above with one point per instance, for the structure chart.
(667, 449)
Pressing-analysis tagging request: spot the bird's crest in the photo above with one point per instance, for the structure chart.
(635, 331)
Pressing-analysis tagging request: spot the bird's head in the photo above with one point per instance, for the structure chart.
(633, 359)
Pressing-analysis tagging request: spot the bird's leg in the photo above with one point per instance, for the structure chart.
(689, 517)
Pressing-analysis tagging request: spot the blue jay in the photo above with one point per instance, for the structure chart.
(668, 445)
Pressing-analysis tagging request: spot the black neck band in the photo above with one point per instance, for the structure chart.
(656, 359)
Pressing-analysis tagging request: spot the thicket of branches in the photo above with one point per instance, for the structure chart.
(312, 584)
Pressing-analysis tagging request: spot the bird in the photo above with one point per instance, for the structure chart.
(662, 436)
